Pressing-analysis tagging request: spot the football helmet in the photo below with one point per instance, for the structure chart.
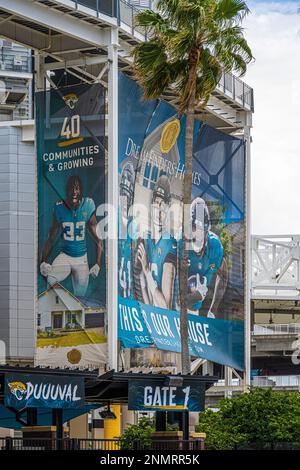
(200, 222)
(126, 189)
(161, 198)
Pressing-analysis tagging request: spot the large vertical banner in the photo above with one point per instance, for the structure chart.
(70, 128)
(151, 167)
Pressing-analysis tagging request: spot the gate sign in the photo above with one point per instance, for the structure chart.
(43, 391)
(149, 395)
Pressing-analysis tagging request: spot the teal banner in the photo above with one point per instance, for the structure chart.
(141, 326)
(151, 170)
(70, 128)
(148, 395)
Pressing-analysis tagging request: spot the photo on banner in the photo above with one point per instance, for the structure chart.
(71, 304)
(151, 168)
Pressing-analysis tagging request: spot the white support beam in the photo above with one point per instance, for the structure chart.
(39, 84)
(111, 21)
(39, 60)
(77, 75)
(112, 199)
(24, 36)
(37, 40)
(74, 70)
(228, 382)
(247, 323)
(82, 62)
(101, 73)
(15, 74)
(56, 21)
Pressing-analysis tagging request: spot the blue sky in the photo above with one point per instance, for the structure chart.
(272, 30)
(284, 6)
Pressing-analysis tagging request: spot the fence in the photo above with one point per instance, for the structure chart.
(276, 381)
(24, 443)
(69, 444)
(267, 446)
(276, 329)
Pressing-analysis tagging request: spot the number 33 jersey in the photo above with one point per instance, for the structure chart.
(73, 224)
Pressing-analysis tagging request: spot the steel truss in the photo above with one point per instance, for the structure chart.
(275, 267)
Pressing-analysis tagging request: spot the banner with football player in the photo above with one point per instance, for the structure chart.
(70, 128)
(151, 168)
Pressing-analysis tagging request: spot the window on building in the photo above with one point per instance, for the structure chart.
(154, 176)
(150, 176)
(71, 317)
(147, 174)
(57, 321)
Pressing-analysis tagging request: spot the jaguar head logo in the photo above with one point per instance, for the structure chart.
(18, 389)
(71, 100)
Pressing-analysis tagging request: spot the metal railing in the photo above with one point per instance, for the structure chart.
(237, 90)
(106, 7)
(125, 12)
(267, 446)
(10, 62)
(24, 443)
(233, 383)
(276, 329)
(276, 381)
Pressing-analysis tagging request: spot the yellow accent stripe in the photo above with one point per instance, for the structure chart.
(177, 407)
(70, 142)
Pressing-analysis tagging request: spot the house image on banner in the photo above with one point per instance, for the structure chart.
(59, 309)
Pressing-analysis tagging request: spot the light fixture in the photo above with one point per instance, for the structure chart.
(107, 413)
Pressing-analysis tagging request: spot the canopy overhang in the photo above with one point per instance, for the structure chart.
(100, 390)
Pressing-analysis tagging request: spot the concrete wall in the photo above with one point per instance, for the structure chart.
(17, 207)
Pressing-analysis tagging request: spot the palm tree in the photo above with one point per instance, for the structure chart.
(191, 42)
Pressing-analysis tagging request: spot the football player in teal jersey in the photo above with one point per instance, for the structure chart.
(125, 255)
(157, 254)
(206, 261)
(72, 217)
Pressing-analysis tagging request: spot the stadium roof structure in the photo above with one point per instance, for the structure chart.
(76, 36)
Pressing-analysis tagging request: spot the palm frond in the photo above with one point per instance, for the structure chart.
(191, 42)
(231, 10)
(151, 20)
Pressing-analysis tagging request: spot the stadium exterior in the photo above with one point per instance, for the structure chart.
(92, 43)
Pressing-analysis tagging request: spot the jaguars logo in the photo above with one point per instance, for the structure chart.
(18, 389)
(71, 100)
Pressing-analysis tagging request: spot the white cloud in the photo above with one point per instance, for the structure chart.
(272, 32)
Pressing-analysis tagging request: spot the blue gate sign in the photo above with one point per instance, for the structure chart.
(149, 395)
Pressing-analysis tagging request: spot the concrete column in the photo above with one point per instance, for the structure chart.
(112, 199)
(79, 427)
(128, 417)
(247, 372)
(208, 368)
